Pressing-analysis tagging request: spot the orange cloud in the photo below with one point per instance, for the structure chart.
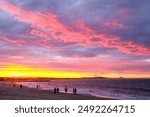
(47, 26)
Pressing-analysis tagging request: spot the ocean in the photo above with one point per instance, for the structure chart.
(127, 89)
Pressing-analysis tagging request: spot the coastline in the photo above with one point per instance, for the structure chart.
(9, 92)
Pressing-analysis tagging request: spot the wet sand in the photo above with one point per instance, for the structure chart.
(9, 92)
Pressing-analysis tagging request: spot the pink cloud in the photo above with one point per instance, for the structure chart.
(17, 42)
(115, 25)
(126, 12)
(47, 26)
(99, 66)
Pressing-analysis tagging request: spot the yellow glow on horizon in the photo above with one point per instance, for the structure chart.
(22, 71)
(16, 70)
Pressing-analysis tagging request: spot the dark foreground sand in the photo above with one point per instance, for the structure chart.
(9, 92)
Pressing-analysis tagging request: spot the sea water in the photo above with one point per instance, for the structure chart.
(135, 89)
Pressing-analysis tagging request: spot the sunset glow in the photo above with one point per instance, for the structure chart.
(22, 71)
(74, 39)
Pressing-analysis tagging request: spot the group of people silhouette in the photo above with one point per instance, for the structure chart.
(14, 85)
(56, 90)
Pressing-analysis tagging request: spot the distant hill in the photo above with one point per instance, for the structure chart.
(24, 79)
(41, 79)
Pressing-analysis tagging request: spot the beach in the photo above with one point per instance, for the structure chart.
(126, 89)
(11, 92)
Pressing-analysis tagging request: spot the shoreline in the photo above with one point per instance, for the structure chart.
(9, 92)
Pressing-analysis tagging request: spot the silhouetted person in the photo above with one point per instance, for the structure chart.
(37, 86)
(66, 89)
(20, 86)
(57, 90)
(14, 85)
(75, 91)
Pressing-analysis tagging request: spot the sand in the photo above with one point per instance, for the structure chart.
(9, 92)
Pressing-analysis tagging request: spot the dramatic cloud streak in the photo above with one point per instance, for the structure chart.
(17, 42)
(47, 26)
(92, 37)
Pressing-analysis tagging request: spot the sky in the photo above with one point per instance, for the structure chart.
(75, 38)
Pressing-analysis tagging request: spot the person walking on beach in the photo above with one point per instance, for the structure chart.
(37, 86)
(66, 89)
(57, 90)
(20, 86)
(74, 91)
